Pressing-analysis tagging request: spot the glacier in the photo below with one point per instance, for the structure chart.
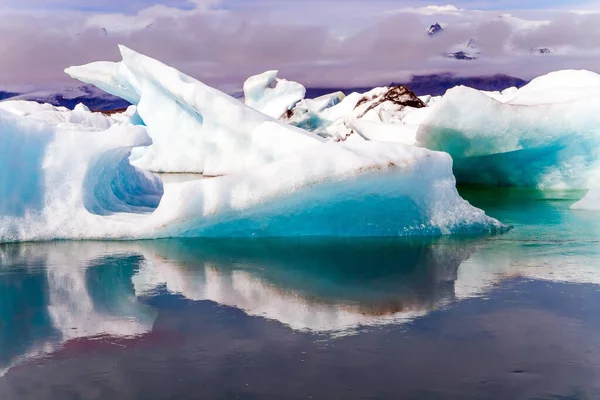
(544, 135)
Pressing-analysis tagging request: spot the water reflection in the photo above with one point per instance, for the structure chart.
(55, 292)
(310, 284)
(74, 296)
(52, 293)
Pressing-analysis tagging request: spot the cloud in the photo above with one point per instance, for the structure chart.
(222, 45)
(434, 10)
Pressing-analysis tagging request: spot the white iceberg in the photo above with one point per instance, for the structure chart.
(81, 117)
(58, 183)
(591, 201)
(545, 135)
(270, 95)
(194, 128)
(390, 114)
(315, 114)
(556, 87)
(69, 181)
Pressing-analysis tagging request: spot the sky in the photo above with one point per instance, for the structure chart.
(326, 43)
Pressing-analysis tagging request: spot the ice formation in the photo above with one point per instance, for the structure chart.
(389, 114)
(78, 184)
(69, 175)
(591, 201)
(544, 135)
(80, 117)
(271, 95)
(194, 128)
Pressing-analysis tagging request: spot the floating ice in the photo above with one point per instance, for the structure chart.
(69, 181)
(194, 128)
(380, 114)
(271, 95)
(313, 114)
(66, 184)
(544, 135)
(80, 117)
(591, 201)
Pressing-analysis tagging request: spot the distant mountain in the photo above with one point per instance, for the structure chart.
(435, 28)
(460, 55)
(469, 50)
(7, 95)
(94, 98)
(435, 85)
(541, 50)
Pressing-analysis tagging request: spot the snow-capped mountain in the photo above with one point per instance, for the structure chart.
(463, 51)
(470, 51)
(435, 28)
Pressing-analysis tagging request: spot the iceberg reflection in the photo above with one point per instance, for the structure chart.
(52, 293)
(62, 293)
(316, 285)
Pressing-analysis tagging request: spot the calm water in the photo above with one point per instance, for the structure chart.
(515, 316)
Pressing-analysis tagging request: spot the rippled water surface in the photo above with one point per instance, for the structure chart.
(514, 316)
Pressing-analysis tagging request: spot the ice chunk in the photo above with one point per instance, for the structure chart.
(375, 115)
(556, 87)
(271, 95)
(113, 78)
(65, 184)
(194, 128)
(410, 191)
(311, 114)
(591, 201)
(81, 108)
(546, 145)
(57, 182)
(383, 132)
(80, 117)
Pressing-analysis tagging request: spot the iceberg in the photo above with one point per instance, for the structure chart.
(81, 117)
(67, 180)
(194, 128)
(310, 114)
(544, 135)
(272, 96)
(591, 201)
(59, 183)
(382, 114)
